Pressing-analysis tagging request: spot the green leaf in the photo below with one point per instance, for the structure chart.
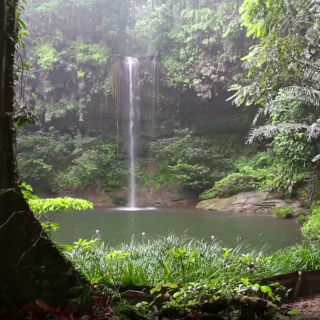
(172, 285)
(50, 224)
(294, 312)
(157, 288)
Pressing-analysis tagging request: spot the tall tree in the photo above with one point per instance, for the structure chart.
(31, 265)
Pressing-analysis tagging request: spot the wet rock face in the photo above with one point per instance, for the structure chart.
(252, 202)
(96, 195)
(166, 197)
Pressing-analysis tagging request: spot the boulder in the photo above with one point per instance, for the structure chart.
(251, 202)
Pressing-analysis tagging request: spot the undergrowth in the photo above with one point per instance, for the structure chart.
(262, 172)
(180, 260)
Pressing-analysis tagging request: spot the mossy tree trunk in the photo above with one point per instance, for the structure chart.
(31, 266)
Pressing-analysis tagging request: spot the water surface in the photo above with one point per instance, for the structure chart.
(256, 230)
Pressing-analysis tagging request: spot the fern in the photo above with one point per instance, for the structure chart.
(271, 130)
(307, 95)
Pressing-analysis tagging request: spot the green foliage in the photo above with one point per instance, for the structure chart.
(47, 55)
(283, 78)
(302, 219)
(177, 260)
(94, 162)
(261, 172)
(259, 16)
(65, 205)
(283, 212)
(230, 185)
(90, 53)
(64, 161)
(197, 51)
(311, 228)
(40, 157)
(144, 178)
(193, 161)
(42, 207)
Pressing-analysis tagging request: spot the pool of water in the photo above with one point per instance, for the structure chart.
(119, 225)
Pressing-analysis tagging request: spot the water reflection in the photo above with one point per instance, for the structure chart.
(231, 229)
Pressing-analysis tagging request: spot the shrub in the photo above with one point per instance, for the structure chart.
(302, 219)
(60, 161)
(189, 160)
(311, 229)
(232, 184)
(283, 212)
(119, 200)
(262, 172)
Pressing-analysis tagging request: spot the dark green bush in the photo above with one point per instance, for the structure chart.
(119, 200)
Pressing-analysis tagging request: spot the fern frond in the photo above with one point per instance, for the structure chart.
(263, 111)
(311, 75)
(271, 130)
(305, 94)
(314, 131)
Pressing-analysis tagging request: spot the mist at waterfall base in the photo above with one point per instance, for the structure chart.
(131, 66)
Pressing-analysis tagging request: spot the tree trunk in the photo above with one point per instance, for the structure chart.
(31, 265)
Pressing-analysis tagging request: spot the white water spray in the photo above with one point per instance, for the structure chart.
(132, 67)
(155, 96)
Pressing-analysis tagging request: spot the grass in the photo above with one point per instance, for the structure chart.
(179, 260)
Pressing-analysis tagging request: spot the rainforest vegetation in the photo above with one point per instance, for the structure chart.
(229, 103)
(228, 96)
(201, 51)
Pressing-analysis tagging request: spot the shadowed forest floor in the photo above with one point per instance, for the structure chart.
(309, 308)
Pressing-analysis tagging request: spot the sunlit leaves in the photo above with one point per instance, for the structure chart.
(51, 225)
(47, 55)
(41, 206)
(259, 15)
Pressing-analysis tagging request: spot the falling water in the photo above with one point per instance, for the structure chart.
(155, 67)
(132, 68)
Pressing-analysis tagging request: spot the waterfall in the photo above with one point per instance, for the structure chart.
(155, 75)
(132, 68)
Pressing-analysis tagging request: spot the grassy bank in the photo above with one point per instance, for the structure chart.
(179, 260)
